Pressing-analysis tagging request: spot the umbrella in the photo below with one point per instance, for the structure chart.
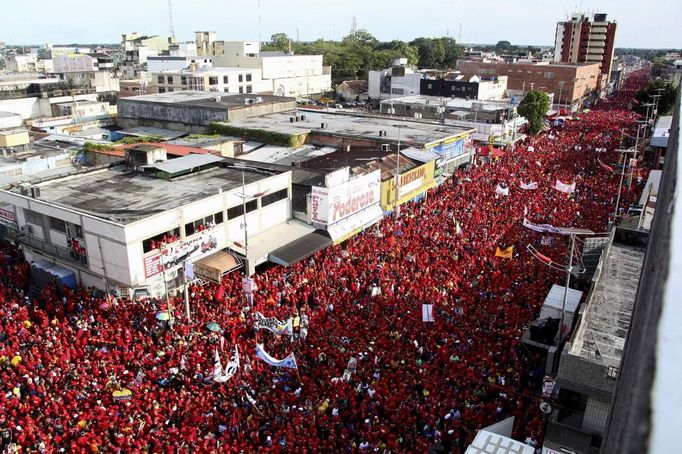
(213, 326)
(104, 306)
(399, 233)
(163, 316)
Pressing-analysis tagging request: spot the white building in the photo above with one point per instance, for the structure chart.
(70, 63)
(287, 74)
(108, 226)
(158, 63)
(225, 80)
(22, 63)
(395, 82)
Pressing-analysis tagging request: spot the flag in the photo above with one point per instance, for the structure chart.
(533, 185)
(289, 361)
(458, 228)
(563, 187)
(547, 240)
(220, 374)
(605, 166)
(545, 228)
(502, 190)
(273, 324)
(505, 254)
(427, 313)
(251, 400)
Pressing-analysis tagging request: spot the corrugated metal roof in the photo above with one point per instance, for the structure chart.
(185, 163)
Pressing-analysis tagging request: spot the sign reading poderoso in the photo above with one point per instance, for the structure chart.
(331, 205)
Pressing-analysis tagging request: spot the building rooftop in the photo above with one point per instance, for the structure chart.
(458, 103)
(206, 99)
(275, 154)
(124, 196)
(353, 126)
(601, 334)
(143, 131)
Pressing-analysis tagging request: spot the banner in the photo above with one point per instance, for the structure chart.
(220, 374)
(331, 205)
(458, 228)
(505, 254)
(533, 185)
(427, 313)
(605, 166)
(289, 361)
(273, 324)
(502, 190)
(543, 228)
(563, 187)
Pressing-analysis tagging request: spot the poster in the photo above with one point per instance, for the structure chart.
(427, 313)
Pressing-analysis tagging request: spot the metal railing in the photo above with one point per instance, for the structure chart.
(44, 246)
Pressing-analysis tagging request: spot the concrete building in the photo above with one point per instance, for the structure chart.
(572, 85)
(397, 81)
(467, 86)
(287, 74)
(591, 358)
(69, 63)
(581, 40)
(133, 87)
(22, 63)
(349, 132)
(224, 80)
(159, 63)
(193, 111)
(134, 229)
(131, 41)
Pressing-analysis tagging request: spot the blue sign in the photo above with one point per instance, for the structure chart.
(450, 150)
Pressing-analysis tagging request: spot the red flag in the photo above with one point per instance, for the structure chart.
(220, 294)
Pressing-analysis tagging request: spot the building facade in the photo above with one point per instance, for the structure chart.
(581, 40)
(224, 80)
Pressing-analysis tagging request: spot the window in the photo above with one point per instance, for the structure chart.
(249, 89)
(57, 224)
(407, 108)
(238, 210)
(225, 79)
(397, 91)
(78, 231)
(157, 241)
(162, 90)
(549, 75)
(170, 90)
(241, 89)
(159, 79)
(241, 78)
(170, 80)
(248, 77)
(183, 80)
(218, 218)
(34, 218)
(276, 196)
(213, 81)
(235, 211)
(189, 229)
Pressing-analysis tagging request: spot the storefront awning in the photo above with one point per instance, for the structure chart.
(352, 225)
(300, 249)
(216, 265)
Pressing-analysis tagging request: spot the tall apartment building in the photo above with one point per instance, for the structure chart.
(581, 40)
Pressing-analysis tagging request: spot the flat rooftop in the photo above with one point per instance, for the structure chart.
(435, 101)
(275, 154)
(606, 317)
(124, 196)
(215, 100)
(411, 133)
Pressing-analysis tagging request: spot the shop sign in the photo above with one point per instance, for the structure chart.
(331, 205)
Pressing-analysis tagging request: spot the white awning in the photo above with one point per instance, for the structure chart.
(354, 224)
(261, 245)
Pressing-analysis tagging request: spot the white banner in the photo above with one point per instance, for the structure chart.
(273, 324)
(220, 374)
(330, 205)
(502, 191)
(563, 187)
(533, 185)
(427, 313)
(540, 227)
(289, 361)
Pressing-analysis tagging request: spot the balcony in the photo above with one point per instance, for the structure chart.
(45, 247)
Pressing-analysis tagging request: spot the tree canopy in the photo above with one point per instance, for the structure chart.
(534, 107)
(360, 52)
(665, 103)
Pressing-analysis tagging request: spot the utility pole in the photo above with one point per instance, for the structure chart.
(397, 178)
(246, 233)
(569, 269)
(170, 20)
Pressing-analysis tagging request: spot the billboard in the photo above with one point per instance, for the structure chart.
(331, 205)
(7, 216)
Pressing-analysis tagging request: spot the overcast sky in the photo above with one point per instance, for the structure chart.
(646, 24)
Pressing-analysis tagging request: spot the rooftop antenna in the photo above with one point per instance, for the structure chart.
(170, 19)
(259, 23)
(354, 27)
(459, 36)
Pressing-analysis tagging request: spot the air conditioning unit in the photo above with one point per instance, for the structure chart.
(35, 192)
(259, 100)
(385, 147)
(25, 189)
(26, 228)
(218, 99)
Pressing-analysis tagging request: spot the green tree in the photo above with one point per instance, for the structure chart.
(665, 103)
(534, 107)
(278, 41)
(503, 46)
(452, 52)
(431, 52)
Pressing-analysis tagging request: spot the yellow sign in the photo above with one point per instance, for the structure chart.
(412, 183)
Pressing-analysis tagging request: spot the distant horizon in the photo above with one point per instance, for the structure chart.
(641, 25)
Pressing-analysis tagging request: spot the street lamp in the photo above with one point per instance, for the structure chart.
(244, 196)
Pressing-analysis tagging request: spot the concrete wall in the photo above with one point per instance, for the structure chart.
(132, 109)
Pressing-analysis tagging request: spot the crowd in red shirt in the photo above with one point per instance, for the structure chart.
(63, 353)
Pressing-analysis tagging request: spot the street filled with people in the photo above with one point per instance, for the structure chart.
(85, 372)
